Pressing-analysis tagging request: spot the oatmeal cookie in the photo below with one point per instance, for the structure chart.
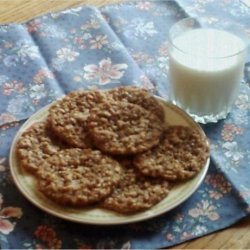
(135, 192)
(123, 128)
(78, 177)
(68, 116)
(179, 156)
(35, 145)
(138, 96)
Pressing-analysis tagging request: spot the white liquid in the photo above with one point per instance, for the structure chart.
(206, 67)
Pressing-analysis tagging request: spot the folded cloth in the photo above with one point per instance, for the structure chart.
(117, 45)
(54, 54)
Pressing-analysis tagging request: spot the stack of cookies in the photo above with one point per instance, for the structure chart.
(111, 149)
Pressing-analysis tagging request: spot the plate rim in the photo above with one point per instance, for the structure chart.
(38, 204)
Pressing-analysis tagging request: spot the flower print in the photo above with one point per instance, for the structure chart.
(199, 230)
(120, 24)
(214, 195)
(141, 57)
(7, 118)
(163, 50)
(214, 146)
(4, 28)
(205, 209)
(10, 60)
(126, 246)
(241, 117)
(7, 213)
(243, 102)
(22, 52)
(6, 226)
(48, 236)
(18, 105)
(53, 31)
(67, 54)
(98, 42)
(186, 235)
(115, 45)
(229, 131)
(196, 8)
(210, 19)
(7, 45)
(37, 91)
(41, 75)
(45, 233)
(218, 181)
(72, 31)
(80, 42)
(163, 62)
(86, 36)
(14, 212)
(91, 24)
(13, 86)
(25, 50)
(232, 151)
(105, 72)
(146, 83)
(239, 10)
(141, 28)
(244, 194)
(145, 5)
(2, 167)
(179, 217)
(57, 63)
(169, 237)
(34, 25)
(77, 78)
(39, 247)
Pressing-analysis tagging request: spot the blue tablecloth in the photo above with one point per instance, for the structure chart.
(116, 45)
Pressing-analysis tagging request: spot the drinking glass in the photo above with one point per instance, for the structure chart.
(205, 68)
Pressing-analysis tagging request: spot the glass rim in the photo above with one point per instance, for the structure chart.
(212, 57)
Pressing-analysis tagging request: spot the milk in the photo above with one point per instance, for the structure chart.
(206, 67)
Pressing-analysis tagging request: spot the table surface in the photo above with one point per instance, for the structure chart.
(237, 236)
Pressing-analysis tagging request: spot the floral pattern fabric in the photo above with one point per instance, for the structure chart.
(116, 45)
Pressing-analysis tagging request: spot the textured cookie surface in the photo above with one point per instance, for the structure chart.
(68, 116)
(124, 128)
(135, 192)
(138, 96)
(35, 145)
(180, 155)
(78, 176)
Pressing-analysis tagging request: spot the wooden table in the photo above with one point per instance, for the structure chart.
(236, 237)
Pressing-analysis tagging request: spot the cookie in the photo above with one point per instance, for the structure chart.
(138, 96)
(68, 116)
(123, 128)
(179, 156)
(78, 177)
(135, 192)
(35, 145)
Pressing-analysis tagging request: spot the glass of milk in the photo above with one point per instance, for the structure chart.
(205, 69)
